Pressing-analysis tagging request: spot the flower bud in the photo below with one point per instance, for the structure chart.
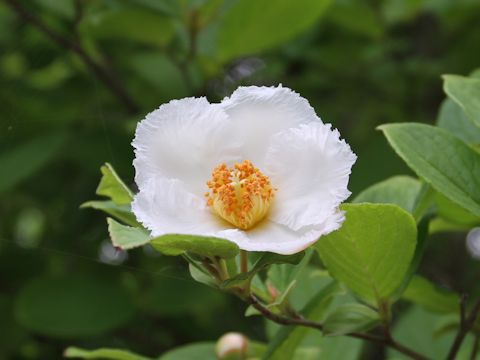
(272, 290)
(473, 243)
(232, 346)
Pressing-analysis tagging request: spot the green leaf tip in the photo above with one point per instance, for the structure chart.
(465, 91)
(113, 187)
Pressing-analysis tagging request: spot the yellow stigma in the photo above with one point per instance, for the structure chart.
(241, 195)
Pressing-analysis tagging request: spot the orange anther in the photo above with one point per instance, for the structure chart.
(241, 194)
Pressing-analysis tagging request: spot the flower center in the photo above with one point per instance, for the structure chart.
(241, 195)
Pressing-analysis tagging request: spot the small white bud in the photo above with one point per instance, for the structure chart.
(473, 243)
(232, 346)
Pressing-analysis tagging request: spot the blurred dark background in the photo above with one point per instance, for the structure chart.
(77, 75)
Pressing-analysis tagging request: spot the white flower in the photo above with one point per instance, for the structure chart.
(259, 169)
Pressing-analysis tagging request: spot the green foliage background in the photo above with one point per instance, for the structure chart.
(359, 63)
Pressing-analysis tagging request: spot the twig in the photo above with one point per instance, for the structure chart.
(300, 321)
(113, 84)
(465, 326)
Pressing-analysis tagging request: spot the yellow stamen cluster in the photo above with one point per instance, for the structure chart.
(241, 195)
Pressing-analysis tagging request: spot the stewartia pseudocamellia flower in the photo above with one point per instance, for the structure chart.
(259, 169)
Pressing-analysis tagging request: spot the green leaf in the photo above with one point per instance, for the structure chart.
(113, 187)
(422, 237)
(450, 211)
(399, 190)
(251, 26)
(73, 306)
(126, 237)
(350, 318)
(465, 91)
(453, 119)
(104, 353)
(440, 225)
(265, 260)
(198, 274)
(442, 160)
(195, 351)
(269, 258)
(289, 338)
(121, 212)
(372, 251)
(447, 325)
(424, 293)
(25, 159)
(176, 244)
(424, 202)
(135, 24)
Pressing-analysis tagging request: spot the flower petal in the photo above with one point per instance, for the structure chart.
(257, 113)
(280, 239)
(184, 139)
(164, 206)
(310, 166)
